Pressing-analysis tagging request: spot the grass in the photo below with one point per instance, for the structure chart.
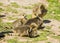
(14, 4)
(1, 25)
(56, 37)
(9, 25)
(45, 32)
(13, 41)
(53, 9)
(53, 13)
(59, 27)
(48, 42)
(12, 18)
(1, 9)
(32, 5)
(5, 26)
(57, 18)
(36, 4)
(29, 16)
(54, 6)
(10, 9)
(42, 36)
(14, 11)
(48, 27)
(27, 7)
(1, 4)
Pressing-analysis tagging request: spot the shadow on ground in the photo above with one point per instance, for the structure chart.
(46, 21)
(2, 34)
